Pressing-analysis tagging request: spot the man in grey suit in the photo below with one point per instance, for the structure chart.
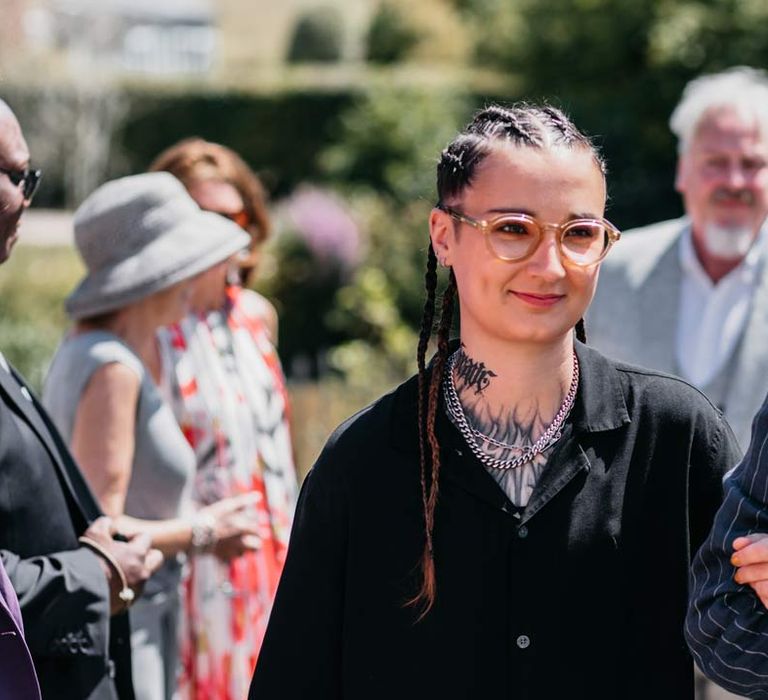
(73, 580)
(690, 296)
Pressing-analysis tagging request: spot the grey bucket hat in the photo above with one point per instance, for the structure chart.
(141, 234)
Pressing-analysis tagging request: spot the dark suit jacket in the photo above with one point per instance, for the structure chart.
(45, 505)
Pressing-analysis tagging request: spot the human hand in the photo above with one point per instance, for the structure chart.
(136, 558)
(235, 525)
(750, 558)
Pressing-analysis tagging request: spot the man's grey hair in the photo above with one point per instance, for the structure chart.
(742, 88)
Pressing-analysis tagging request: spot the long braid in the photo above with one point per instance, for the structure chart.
(425, 597)
(581, 331)
(428, 317)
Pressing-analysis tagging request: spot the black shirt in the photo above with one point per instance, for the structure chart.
(582, 597)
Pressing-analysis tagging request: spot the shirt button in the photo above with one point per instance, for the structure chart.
(523, 641)
(522, 532)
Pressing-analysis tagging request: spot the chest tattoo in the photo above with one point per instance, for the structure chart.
(503, 433)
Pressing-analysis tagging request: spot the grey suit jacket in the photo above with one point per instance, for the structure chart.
(634, 316)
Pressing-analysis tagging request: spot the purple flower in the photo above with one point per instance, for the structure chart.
(321, 220)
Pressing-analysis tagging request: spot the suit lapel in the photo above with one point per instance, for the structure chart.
(659, 308)
(22, 401)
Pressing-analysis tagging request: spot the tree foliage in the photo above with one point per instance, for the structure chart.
(318, 37)
(618, 68)
(429, 31)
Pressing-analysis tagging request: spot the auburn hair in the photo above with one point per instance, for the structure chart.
(194, 159)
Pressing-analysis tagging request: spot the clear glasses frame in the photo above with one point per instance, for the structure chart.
(611, 234)
(28, 179)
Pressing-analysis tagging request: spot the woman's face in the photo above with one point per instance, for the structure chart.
(219, 197)
(539, 299)
(209, 288)
(172, 304)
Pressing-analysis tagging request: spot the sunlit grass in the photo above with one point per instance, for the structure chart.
(33, 286)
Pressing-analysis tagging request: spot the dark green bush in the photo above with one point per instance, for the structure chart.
(390, 36)
(318, 37)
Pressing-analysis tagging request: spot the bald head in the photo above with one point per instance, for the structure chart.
(14, 158)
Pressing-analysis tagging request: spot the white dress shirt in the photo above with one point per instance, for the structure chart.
(712, 317)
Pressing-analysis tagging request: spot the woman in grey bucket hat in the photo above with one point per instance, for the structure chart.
(142, 239)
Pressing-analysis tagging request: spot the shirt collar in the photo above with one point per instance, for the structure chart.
(600, 403)
(747, 269)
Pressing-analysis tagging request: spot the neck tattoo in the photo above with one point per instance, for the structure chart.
(488, 435)
(472, 374)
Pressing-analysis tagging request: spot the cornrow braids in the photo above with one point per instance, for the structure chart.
(520, 124)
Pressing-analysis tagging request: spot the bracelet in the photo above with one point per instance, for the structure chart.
(203, 532)
(125, 593)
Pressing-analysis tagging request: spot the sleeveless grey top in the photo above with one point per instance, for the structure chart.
(163, 461)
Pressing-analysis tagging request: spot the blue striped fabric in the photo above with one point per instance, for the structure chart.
(727, 624)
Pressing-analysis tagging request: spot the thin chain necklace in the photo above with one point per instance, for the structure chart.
(473, 436)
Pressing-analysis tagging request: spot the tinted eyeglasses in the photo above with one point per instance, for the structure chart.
(241, 218)
(28, 179)
(514, 237)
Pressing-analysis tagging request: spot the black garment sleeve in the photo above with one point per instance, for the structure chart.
(301, 656)
(715, 452)
(64, 600)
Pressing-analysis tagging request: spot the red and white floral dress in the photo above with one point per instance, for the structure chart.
(225, 384)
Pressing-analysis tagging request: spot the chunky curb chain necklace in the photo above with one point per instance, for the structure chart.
(473, 437)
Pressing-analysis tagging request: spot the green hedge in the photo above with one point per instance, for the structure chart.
(278, 135)
(283, 136)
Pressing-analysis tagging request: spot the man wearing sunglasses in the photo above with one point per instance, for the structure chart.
(17, 182)
(73, 580)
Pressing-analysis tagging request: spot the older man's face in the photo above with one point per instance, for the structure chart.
(723, 177)
(14, 155)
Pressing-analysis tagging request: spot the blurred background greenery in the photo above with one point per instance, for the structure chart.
(342, 106)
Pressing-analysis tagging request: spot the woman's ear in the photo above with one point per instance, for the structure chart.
(442, 233)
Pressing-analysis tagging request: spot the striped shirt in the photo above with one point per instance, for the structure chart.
(727, 624)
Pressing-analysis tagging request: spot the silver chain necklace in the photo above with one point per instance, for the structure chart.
(473, 436)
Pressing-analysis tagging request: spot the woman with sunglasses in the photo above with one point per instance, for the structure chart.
(228, 394)
(515, 521)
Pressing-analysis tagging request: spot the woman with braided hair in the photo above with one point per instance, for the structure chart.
(515, 521)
